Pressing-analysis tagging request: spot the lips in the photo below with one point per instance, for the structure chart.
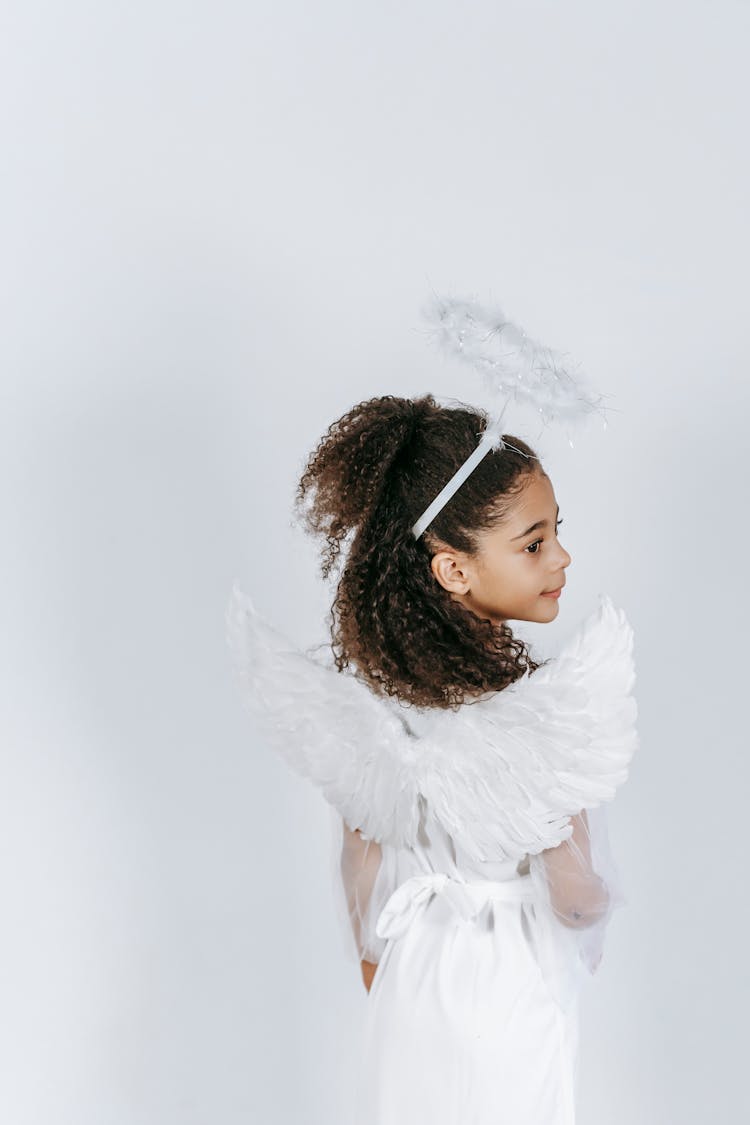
(552, 593)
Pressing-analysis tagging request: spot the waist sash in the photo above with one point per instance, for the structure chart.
(467, 897)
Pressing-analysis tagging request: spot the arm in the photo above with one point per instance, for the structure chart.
(578, 895)
(360, 865)
(368, 972)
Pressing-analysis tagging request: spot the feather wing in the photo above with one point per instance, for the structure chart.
(502, 774)
(505, 773)
(327, 726)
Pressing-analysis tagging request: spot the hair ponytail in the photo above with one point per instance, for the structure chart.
(345, 477)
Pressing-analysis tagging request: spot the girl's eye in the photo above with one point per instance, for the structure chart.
(537, 542)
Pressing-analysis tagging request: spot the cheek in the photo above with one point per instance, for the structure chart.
(508, 576)
(526, 575)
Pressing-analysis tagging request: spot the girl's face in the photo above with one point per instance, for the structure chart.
(517, 562)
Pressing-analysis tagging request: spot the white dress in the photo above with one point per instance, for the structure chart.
(473, 864)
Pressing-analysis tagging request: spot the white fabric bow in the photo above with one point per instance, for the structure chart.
(467, 898)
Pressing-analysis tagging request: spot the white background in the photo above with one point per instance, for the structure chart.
(219, 224)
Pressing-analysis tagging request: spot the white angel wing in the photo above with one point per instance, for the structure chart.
(328, 726)
(502, 774)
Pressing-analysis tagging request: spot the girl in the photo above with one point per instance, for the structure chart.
(466, 778)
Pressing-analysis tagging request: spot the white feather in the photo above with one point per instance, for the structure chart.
(513, 366)
(502, 774)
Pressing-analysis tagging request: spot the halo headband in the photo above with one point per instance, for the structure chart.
(488, 441)
(514, 367)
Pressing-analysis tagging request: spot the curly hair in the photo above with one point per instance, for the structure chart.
(372, 474)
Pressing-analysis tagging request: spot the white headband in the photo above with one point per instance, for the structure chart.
(513, 367)
(487, 442)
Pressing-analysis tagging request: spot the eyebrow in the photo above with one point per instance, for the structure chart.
(534, 526)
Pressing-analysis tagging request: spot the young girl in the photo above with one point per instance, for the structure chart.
(467, 779)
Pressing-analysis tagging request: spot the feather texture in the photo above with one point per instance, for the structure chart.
(512, 364)
(502, 774)
(505, 773)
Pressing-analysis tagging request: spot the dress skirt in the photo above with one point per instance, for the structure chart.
(460, 1026)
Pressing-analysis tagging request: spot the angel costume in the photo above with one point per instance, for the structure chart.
(475, 864)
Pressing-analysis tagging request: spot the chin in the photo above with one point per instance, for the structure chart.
(536, 616)
(547, 612)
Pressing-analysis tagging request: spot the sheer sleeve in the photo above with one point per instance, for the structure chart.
(363, 878)
(578, 887)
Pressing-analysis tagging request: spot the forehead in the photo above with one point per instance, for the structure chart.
(532, 503)
(535, 501)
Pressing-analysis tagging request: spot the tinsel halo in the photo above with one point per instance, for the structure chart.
(514, 367)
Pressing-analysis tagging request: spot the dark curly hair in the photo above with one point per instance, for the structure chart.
(371, 476)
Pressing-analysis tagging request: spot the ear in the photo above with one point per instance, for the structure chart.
(451, 571)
